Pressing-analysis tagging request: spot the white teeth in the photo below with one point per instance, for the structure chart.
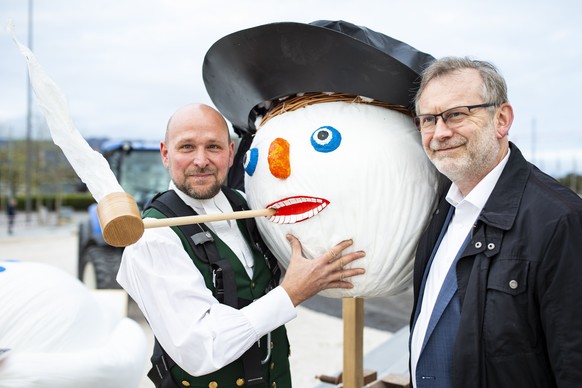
(294, 218)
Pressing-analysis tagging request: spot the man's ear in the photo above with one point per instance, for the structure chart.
(503, 119)
(231, 153)
(164, 154)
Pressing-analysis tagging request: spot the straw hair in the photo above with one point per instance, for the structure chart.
(293, 103)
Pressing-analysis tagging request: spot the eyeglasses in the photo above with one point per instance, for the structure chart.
(453, 117)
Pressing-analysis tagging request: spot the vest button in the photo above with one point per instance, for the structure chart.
(513, 284)
(240, 382)
(272, 365)
(213, 384)
(185, 383)
(274, 385)
(253, 285)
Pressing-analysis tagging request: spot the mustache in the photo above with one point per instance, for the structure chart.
(436, 145)
(195, 171)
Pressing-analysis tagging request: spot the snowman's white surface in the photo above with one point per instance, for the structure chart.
(365, 170)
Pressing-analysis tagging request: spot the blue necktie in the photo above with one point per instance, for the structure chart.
(434, 365)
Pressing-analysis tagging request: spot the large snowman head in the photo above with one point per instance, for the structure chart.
(335, 168)
(341, 170)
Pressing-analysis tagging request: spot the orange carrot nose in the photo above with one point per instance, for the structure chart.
(279, 158)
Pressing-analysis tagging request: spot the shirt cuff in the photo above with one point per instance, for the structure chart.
(270, 311)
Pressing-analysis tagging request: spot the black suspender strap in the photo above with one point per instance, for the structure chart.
(201, 241)
(225, 283)
(161, 365)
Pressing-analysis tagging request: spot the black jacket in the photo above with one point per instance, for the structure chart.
(520, 284)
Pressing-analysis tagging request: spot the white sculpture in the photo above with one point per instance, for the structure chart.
(56, 334)
(364, 169)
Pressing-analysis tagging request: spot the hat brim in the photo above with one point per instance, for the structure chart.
(248, 67)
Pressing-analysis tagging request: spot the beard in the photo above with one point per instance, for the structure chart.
(477, 158)
(204, 192)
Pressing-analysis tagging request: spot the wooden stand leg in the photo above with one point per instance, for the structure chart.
(353, 317)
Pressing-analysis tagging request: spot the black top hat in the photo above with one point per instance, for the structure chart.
(248, 67)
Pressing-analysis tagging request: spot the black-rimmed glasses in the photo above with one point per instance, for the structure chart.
(453, 117)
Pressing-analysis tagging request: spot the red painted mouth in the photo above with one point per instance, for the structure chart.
(291, 210)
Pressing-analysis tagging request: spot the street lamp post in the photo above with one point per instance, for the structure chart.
(29, 153)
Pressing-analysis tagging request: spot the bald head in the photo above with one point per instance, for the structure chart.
(197, 150)
(195, 114)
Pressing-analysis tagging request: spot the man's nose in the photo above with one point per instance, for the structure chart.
(200, 158)
(278, 158)
(441, 129)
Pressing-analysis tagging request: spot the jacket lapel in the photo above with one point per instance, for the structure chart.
(426, 249)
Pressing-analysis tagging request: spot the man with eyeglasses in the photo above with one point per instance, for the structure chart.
(497, 276)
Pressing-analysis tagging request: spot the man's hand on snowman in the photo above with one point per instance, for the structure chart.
(305, 278)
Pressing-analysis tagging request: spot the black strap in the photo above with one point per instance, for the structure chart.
(236, 173)
(225, 284)
(161, 365)
(202, 243)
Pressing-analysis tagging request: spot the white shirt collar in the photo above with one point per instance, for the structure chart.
(228, 230)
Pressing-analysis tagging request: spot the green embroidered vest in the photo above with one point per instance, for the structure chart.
(276, 369)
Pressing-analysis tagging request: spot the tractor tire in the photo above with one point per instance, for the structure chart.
(98, 266)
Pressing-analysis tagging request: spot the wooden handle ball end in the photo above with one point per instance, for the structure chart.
(120, 219)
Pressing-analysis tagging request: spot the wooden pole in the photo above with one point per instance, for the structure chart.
(202, 218)
(121, 222)
(353, 317)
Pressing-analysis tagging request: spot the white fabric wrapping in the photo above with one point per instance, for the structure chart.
(380, 184)
(88, 164)
(61, 336)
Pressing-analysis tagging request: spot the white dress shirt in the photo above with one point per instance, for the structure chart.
(198, 333)
(467, 209)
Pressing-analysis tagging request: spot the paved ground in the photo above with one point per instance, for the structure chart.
(316, 335)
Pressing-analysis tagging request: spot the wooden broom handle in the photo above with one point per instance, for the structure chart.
(122, 224)
(200, 219)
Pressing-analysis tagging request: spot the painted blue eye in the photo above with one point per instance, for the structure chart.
(250, 160)
(326, 139)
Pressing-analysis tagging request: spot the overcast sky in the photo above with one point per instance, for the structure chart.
(126, 65)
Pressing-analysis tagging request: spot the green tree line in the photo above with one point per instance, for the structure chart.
(53, 182)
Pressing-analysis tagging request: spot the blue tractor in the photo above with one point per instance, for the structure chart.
(139, 170)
